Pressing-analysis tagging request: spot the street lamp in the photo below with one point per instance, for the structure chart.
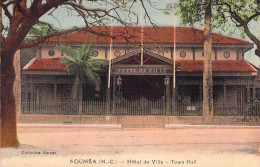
(166, 81)
(119, 82)
(167, 84)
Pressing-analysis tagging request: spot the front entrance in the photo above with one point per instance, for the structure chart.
(141, 88)
(149, 88)
(141, 101)
(141, 91)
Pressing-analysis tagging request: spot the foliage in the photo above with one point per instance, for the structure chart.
(191, 12)
(39, 30)
(80, 62)
(252, 108)
(22, 15)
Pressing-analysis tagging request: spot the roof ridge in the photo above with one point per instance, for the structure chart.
(251, 66)
(154, 35)
(30, 63)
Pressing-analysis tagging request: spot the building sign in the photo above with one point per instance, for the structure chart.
(142, 71)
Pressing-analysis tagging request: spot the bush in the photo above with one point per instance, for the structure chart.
(252, 108)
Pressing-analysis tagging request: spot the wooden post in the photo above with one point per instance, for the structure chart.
(171, 53)
(243, 54)
(32, 91)
(55, 91)
(37, 94)
(193, 53)
(201, 95)
(31, 98)
(106, 52)
(225, 93)
(174, 94)
(26, 87)
(241, 97)
(253, 95)
(216, 53)
(243, 94)
(248, 92)
(108, 98)
(114, 95)
(237, 54)
(168, 99)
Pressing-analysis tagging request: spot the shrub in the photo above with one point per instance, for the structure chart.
(252, 108)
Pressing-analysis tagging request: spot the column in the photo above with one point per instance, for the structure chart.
(216, 53)
(31, 99)
(168, 99)
(253, 95)
(225, 95)
(25, 92)
(243, 54)
(248, 92)
(237, 54)
(32, 92)
(172, 53)
(114, 95)
(193, 53)
(174, 98)
(108, 99)
(37, 93)
(55, 91)
(243, 94)
(201, 96)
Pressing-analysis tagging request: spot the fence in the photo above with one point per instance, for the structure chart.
(187, 108)
(122, 109)
(64, 108)
(140, 107)
(137, 107)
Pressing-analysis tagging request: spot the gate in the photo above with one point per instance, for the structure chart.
(140, 107)
(141, 113)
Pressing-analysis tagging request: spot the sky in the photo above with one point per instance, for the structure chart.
(63, 19)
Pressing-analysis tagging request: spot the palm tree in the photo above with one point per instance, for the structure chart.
(80, 62)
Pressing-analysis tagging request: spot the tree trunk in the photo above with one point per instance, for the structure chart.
(8, 111)
(207, 72)
(75, 88)
(80, 99)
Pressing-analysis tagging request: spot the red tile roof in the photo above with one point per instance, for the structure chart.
(53, 64)
(162, 35)
(217, 66)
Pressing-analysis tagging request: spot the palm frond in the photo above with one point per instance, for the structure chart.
(93, 78)
(96, 63)
(68, 50)
(80, 61)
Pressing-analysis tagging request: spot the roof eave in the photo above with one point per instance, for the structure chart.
(45, 72)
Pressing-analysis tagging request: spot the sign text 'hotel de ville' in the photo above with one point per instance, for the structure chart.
(142, 71)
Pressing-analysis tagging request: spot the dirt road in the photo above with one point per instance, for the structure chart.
(177, 147)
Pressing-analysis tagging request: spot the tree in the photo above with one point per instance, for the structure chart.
(22, 16)
(80, 62)
(227, 16)
(207, 71)
(206, 10)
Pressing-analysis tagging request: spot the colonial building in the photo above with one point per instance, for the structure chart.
(147, 74)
